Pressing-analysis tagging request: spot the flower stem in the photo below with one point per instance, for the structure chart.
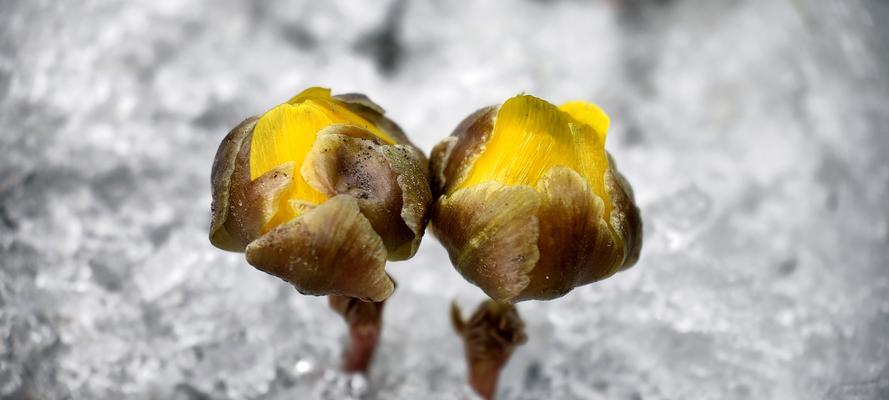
(489, 336)
(365, 321)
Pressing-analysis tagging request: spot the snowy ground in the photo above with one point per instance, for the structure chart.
(754, 133)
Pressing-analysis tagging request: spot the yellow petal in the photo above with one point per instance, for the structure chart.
(590, 114)
(286, 134)
(530, 136)
(317, 92)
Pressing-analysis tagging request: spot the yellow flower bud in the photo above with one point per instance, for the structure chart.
(530, 205)
(321, 191)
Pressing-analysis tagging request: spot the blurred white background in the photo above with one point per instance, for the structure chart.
(754, 133)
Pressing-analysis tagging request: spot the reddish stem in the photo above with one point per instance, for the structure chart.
(361, 349)
(490, 337)
(365, 321)
(483, 377)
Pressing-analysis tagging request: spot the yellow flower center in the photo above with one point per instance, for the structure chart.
(531, 135)
(286, 133)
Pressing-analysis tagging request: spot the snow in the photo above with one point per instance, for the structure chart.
(753, 132)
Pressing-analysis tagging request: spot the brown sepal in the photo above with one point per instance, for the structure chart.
(388, 181)
(453, 156)
(330, 250)
(626, 220)
(365, 107)
(490, 232)
(229, 156)
(576, 246)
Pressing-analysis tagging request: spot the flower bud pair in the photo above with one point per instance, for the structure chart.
(322, 190)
